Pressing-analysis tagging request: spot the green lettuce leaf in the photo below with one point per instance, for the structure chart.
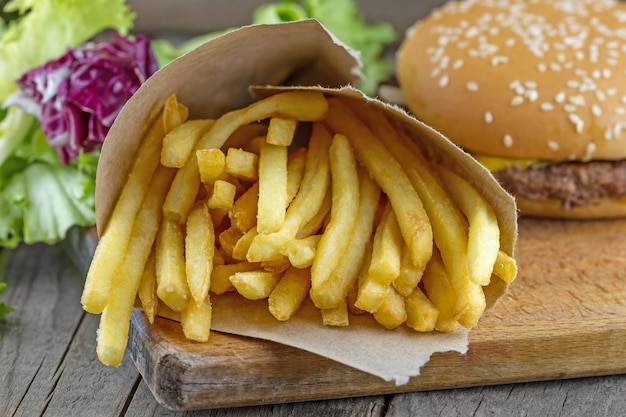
(40, 198)
(344, 19)
(4, 309)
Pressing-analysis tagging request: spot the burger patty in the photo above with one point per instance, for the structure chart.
(573, 183)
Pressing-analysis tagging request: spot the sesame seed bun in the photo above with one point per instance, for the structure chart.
(501, 78)
(521, 79)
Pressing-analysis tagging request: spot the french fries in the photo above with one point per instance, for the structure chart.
(358, 220)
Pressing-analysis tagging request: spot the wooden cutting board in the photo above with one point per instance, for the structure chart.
(563, 317)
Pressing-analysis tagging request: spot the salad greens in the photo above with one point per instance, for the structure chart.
(40, 197)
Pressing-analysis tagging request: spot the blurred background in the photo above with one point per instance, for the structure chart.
(168, 17)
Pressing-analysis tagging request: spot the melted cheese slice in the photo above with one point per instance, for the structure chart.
(494, 164)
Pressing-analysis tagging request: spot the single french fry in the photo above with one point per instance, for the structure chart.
(288, 295)
(370, 294)
(254, 285)
(273, 197)
(223, 196)
(392, 312)
(421, 314)
(409, 277)
(344, 214)
(172, 287)
(281, 131)
(195, 320)
(147, 288)
(199, 252)
(306, 203)
(440, 292)
(220, 279)
(387, 249)
(211, 165)
(114, 238)
(316, 223)
(390, 176)
(295, 172)
(180, 142)
(336, 316)
(483, 242)
(505, 267)
(174, 113)
(242, 164)
(243, 213)
(475, 307)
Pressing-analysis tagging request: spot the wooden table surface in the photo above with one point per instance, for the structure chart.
(48, 366)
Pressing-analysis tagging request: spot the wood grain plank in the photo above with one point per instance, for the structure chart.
(594, 396)
(34, 339)
(143, 404)
(564, 317)
(87, 387)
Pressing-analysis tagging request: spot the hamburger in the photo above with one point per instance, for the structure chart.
(535, 90)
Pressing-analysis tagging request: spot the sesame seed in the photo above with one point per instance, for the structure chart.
(444, 81)
(596, 110)
(472, 86)
(555, 67)
(532, 95)
(611, 91)
(546, 106)
(560, 97)
(608, 134)
(497, 60)
(517, 100)
(570, 108)
(620, 111)
(507, 140)
(600, 95)
(577, 100)
(541, 67)
(488, 117)
(457, 64)
(435, 72)
(553, 145)
(578, 123)
(573, 84)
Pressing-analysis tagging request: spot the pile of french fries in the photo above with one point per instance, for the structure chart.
(298, 195)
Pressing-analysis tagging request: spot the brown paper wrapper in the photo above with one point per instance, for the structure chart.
(216, 78)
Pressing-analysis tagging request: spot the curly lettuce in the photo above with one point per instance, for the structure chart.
(344, 19)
